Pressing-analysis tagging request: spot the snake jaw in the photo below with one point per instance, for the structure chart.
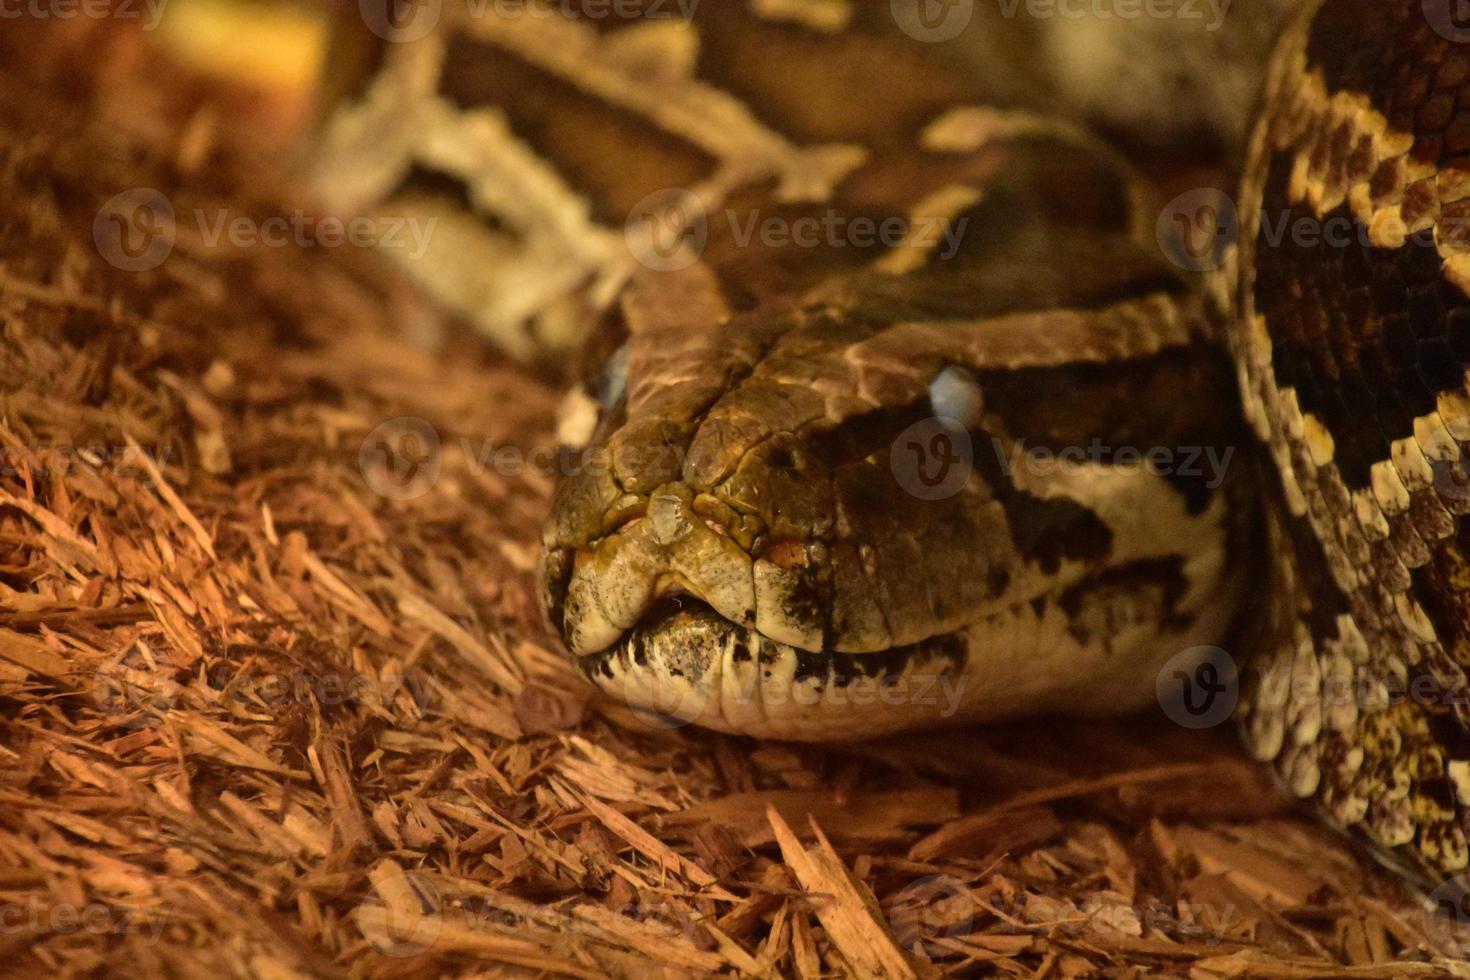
(673, 618)
(685, 664)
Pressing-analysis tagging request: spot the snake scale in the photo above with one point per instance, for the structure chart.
(895, 413)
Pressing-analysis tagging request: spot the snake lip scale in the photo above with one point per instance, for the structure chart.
(724, 676)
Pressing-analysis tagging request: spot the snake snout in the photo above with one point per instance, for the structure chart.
(595, 593)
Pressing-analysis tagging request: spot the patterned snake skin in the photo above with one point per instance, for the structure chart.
(1352, 337)
(894, 414)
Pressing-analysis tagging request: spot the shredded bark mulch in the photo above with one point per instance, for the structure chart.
(276, 701)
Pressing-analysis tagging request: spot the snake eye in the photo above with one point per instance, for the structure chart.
(614, 379)
(580, 413)
(955, 394)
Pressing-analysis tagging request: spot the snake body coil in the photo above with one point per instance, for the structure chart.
(1351, 339)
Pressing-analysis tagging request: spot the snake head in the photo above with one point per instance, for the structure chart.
(804, 524)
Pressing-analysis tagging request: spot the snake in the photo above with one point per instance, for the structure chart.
(895, 409)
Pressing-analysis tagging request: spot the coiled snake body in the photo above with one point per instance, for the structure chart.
(909, 420)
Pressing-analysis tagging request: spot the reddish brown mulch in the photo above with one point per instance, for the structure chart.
(276, 702)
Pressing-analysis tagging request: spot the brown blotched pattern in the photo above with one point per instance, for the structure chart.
(743, 489)
(1353, 337)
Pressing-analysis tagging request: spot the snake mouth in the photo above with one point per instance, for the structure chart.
(684, 663)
